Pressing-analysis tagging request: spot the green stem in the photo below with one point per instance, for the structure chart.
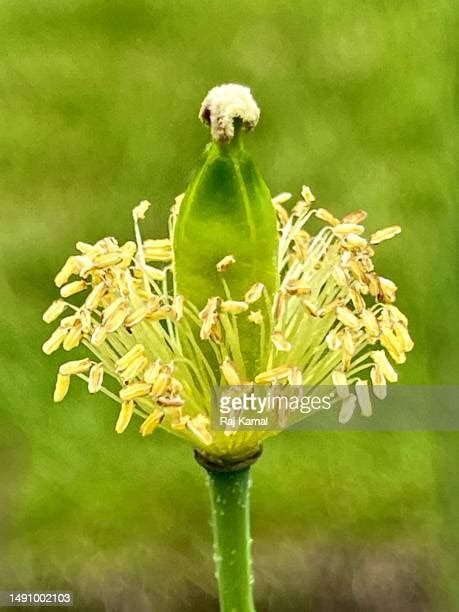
(229, 492)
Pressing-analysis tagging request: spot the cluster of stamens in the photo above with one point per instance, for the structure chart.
(332, 321)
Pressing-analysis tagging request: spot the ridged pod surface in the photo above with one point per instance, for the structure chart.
(227, 210)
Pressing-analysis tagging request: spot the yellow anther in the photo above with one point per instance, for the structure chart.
(73, 338)
(151, 423)
(380, 359)
(199, 427)
(344, 229)
(94, 298)
(297, 287)
(75, 367)
(96, 377)
(370, 322)
(62, 387)
(385, 234)
(357, 216)
(279, 373)
(280, 342)
(340, 381)
(363, 397)
(347, 317)
(134, 353)
(379, 382)
(256, 317)
(233, 307)
(230, 372)
(54, 311)
(347, 409)
(281, 198)
(225, 263)
(254, 293)
(72, 288)
(135, 390)
(326, 216)
(124, 417)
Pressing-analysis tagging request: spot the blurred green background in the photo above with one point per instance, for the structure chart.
(98, 107)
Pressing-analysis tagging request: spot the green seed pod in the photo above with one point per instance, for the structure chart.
(227, 211)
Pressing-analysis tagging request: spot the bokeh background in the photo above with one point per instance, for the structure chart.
(98, 106)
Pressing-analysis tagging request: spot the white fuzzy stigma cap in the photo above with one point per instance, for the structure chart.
(223, 105)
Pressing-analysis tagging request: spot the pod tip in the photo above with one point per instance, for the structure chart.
(223, 105)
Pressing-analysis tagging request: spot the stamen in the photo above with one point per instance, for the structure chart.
(171, 402)
(340, 381)
(157, 250)
(113, 308)
(340, 276)
(307, 195)
(198, 426)
(333, 340)
(279, 373)
(73, 337)
(363, 397)
(125, 415)
(370, 322)
(353, 241)
(116, 320)
(96, 377)
(347, 409)
(388, 289)
(281, 198)
(62, 387)
(326, 216)
(54, 311)
(177, 307)
(233, 307)
(393, 345)
(347, 318)
(279, 305)
(344, 229)
(106, 260)
(357, 216)
(297, 287)
(140, 210)
(152, 372)
(379, 382)
(380, 359)
(385, 234)
(280, 342)
(230, 372)
(404, 337)
(295, 376)
(134, 391)
(255, 317)
(155, 273)
(151, 423)
(71, 266)
(136, 317)
(225, 263)
(72, 288)
(99, 335)
(94, 298)
(75, 367)
(134, 353)
(254, 293)
(134, 369)
(160, 384)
